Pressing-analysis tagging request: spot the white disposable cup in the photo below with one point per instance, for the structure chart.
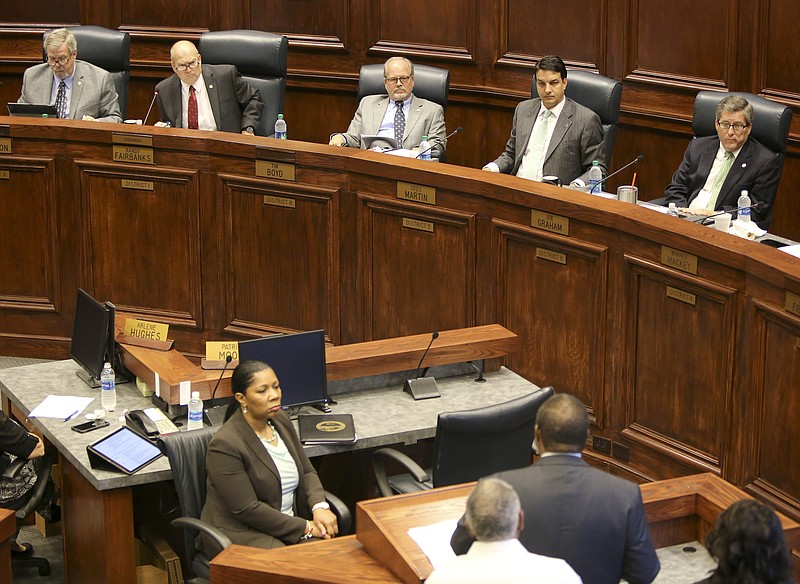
(628, 194)
(722, 222)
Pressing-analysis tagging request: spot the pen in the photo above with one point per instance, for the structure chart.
(72, 415)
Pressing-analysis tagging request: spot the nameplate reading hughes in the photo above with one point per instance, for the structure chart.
(418, 225)
(5, 145)
(139, 185)
(416, 193)
(793, 303)
(550, 222)
(133, 154)
(681, 296)
(221, 350)
(286, 202)
(278, 170)
(143, 329)
(132, 139)
(680, 260)
(551, 256)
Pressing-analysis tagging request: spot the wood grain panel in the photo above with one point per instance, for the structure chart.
(416, 281)
(782, 53)
(186, 14)
(303, 19)
(38, 11)
(558, 310)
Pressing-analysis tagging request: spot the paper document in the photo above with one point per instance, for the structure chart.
(60, 406)
(434, 541)
(791, 250)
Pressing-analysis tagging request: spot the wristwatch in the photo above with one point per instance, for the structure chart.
(322, 505)
(249, 129)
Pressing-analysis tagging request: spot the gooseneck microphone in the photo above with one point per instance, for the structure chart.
(423, 387)
(150, 109)
(437, 141)
(616, 172)
(757, 206)
(215, 415)
(228, 360)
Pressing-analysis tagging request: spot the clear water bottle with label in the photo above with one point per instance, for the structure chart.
(672, 210)
(195, 412)
(595, 177)
(744, 207)
(424, 149)
(280, 128)
(108, 388)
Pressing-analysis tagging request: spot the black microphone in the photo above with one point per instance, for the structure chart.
(216, 412)
(616, 172)
(757, 206)
(445, 139)
(423, 387)
(152, 102)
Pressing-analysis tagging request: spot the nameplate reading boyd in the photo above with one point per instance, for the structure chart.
(418, 225)
(551, 256)
(133, 154)
(143, 329)
(793, 303)
(550, 222)
(139, 185)
(680, 260)
(278, 170)
(286, 202)
(416, 193)
(681, 296)
(5, 145)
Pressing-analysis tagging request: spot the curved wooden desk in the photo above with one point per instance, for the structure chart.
(682, 341)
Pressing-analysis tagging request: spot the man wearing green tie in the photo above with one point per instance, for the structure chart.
(716, 169)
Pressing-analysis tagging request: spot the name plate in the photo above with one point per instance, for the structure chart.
(550, 222)
(144, 329)
(133, 154)
(416, 193)
(132, 139)
(418, 225)
(682, 296)
(220, 350)
(680, 260)
(139, 185)
(277, 170)
(5, 145)
(5, 174)
(551, 256)
(793, 303)
(286, 202)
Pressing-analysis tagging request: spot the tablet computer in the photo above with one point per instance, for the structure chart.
(124, 450)
(32, 110)
(375, 141)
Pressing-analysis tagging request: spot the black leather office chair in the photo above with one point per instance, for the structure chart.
(469, 445)
(109, 50)
(186, 452)
(430, 83)
(600, 94)
(261, 58)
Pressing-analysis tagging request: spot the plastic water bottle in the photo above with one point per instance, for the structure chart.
(672, 210)
(280, 128)
(195, 412)
(744, 213)
(595, 177)
(108, 388)
(424, 149)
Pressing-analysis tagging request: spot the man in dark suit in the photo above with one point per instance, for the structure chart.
(552, 135)
(580, 514)
(715, 169)
(210, 97)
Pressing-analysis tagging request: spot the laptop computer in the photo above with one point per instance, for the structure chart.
(32, 110)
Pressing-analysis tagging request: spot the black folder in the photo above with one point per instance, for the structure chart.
(123, 450)
(326, 429)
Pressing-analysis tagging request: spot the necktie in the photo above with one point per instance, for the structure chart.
(399, 123)
(192, 110)
(536, 150)
(723, 172)
(61, 100)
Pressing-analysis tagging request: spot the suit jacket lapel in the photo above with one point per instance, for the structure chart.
(524, 132)
(77, 89)
(254, 444)
(737, 170)
(213, 95)
(378, 111)
(563, 124)
(414, 115)
(706, 162)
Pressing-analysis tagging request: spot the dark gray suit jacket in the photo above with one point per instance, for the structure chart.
(589, 518)
(243, 498)
(756, 169)
(234, 103)
(577, 141)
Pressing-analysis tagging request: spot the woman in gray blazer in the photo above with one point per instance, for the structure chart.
(262, 490)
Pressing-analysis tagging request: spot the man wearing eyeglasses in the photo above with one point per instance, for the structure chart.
(715, 169)
(206, 97)
(399, 114)
(77, 89)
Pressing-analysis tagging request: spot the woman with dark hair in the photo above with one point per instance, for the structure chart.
(747, 542)
(262, 490)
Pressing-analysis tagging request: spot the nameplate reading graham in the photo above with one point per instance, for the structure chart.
(416, 193)
(221, 350)
(550, 222)
(793, 303)
(5, 145)
(285, 202)
(143, 329)
(132, 139)
(133, 154)
(551, 256)
(5, 174)
(139, 185)
(682, 296)
(276, 170)
(680, 260)
(418, 225)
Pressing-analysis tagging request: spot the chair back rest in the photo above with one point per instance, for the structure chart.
(262, 59)
(43, 468)
(472, 444)
(431, 83)
(109, 50)
(600, 94)
(771, 120)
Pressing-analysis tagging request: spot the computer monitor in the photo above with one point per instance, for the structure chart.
(298, 361)
(89, 344)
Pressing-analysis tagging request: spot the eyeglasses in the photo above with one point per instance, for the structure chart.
(727, 126)
(394, 80)
(185, 66)
(60, 62)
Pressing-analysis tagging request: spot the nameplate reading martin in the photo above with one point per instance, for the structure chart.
(5, 145)
(139, 185)
(5, 174)
(793, 303)
(416, 193)
(221, 350)
(144, 329)
(681, 295)
(418, 225)
(550, 222)
(680, 260)
(286, 202)
(277, 170)
(551, 256)
(133, 154)
(132, 139)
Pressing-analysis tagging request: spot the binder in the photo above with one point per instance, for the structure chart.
(327, 429)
